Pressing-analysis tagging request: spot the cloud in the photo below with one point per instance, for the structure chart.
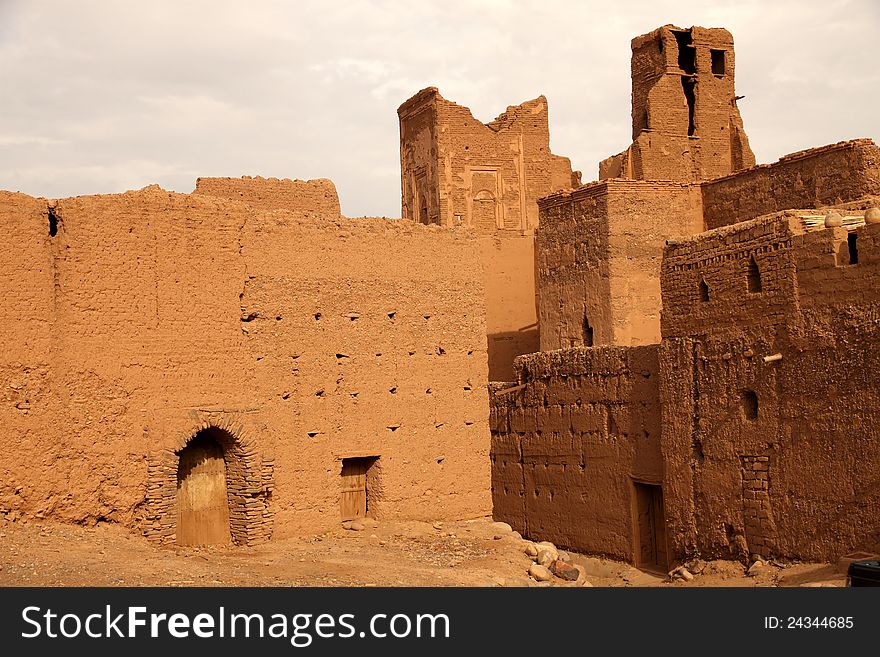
(103, 96)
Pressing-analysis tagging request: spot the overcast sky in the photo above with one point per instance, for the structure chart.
(100, 96)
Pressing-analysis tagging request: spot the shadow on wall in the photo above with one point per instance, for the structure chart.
(507, 345)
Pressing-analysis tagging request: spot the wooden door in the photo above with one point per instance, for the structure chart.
(354, 488)
(202, 506)
(647, 534)
(650, 525)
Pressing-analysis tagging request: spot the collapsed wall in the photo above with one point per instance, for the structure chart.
(769, 406)
(134, 321)
(571, 445)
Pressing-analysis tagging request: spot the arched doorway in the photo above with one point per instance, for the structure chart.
(202, 503)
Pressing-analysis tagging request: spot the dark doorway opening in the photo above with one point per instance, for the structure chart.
(650, 529)
(202, 502)
(359, 486)
(852, 243)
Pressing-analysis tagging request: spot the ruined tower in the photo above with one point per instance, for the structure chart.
(458, 171)
(685, 122)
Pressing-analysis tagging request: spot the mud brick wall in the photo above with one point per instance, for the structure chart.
(599, 254)
(812, 413)
(814, 178)
(705, 279)
(680, 135)
(311, 198)
(573, 270)
(146, 317)
(568, 441)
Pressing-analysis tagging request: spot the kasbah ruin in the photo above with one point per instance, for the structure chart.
(663, 377)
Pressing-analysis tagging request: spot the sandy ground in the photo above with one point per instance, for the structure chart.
(469, 553)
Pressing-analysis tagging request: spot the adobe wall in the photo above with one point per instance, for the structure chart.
(599, 253)
(313, 198)
(150, 315)
(509, 280)
(686, 126)
(720, 261)
(769, 455)
(813, 178)
(568, 442)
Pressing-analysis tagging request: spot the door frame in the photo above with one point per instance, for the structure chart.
(634, 519)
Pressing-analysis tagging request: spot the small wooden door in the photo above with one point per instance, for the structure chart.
(354, 487)
(202, 505)
(651, 527)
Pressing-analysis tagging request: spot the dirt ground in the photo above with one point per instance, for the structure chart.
(468, 553)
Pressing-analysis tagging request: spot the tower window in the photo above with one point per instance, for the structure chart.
(718, 62)
(687, 54)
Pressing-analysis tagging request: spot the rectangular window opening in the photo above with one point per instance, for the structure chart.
(718, 63)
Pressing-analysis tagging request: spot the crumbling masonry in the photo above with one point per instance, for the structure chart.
(744, 423)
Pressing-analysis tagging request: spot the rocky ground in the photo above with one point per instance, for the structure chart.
(469, 553)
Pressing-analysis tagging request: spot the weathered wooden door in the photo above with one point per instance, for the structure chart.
(202, 505)
(647, 540)
(651, 527)
(354, 488)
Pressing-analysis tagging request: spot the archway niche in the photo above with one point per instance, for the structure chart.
(202, 500)
(213, 487)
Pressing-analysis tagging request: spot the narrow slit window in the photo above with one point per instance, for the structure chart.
(588, 332)
(750, 404)
(704, 290)
(53, 223)
(754, 276)
(688, 85)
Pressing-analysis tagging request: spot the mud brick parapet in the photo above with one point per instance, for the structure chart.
(317, 198)
(813, 178)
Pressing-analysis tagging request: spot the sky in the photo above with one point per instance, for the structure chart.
(103, 96)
